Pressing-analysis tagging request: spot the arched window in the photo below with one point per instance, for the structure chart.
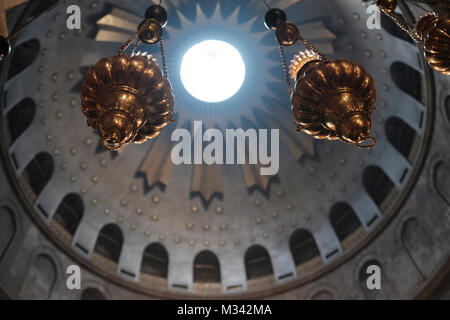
(23, 56)
(413, 87)
(400, 135)
(257, 262)
(70, 212)
(92, 294)
(39, 171)
(155, 260)
(377, 184)
(20, 117)
(206, 267)
(344, 220)
(303, 246)
(109, 242)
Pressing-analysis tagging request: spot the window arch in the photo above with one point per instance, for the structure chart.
(92, 294)
(344, 220)
(20, 117)
(23, 56)
(155, 260)
(377, 184)
(206, 267)
(109, 242)
(413, 87)
(39, 171)
(400, 135)
(257, 262)
(69, 212)
(303, 246)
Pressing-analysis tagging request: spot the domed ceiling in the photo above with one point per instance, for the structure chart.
(137, 219)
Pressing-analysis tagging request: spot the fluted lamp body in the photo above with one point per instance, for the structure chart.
(387, 5)
(434, 31)
(333, 99)
(126, 99)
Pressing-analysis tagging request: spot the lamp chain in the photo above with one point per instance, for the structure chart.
(285, 67)
(136, 45)
(312, 48)
(165, 70)
(266, 4)
(163, 58)
(404, 26)
(131, 40)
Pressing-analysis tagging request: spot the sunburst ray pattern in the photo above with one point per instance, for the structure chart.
(263, 99)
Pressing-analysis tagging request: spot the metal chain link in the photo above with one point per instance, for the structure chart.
(131, 39)
(285, 67)
(404, 26)
(163, 58)
(165, 71)
(312, 48)
(136, 45)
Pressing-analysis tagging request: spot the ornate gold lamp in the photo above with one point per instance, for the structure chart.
(333, 98)
(431, 32)
(127, 98)
(434, 31)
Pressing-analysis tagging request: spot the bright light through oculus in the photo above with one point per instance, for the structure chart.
(212, 71)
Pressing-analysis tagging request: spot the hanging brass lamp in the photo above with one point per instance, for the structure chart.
(127, 98)
(431, 32)
(332, 99)
(434, 32)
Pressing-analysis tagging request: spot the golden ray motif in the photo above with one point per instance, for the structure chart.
(253, 178)
(319, 35)
(116, 26)
(156, 165)
(120, 19)
(207, 180)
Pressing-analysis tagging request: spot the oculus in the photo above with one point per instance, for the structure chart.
(212, 71)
